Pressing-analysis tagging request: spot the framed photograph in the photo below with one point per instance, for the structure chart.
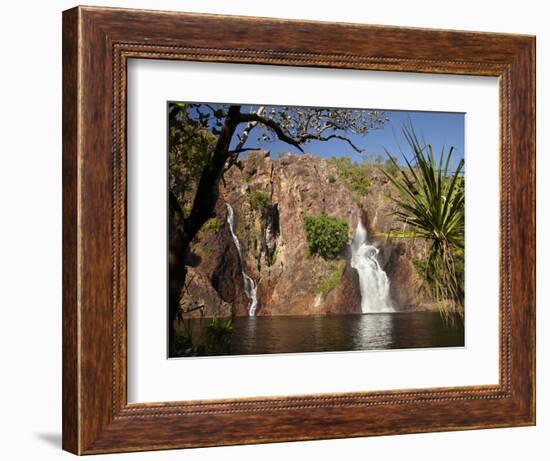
(284, 230)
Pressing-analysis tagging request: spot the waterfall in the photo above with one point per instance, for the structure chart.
(373, 281)
(250, 286)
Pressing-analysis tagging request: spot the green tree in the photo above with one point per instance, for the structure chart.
(326, 236)
(431, 204)
(189, 147)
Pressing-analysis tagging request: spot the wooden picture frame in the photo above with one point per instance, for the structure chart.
(97, 43)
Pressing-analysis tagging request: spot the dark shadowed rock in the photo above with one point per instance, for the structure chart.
(201, 298)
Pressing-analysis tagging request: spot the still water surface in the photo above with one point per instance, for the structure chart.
(273, 335)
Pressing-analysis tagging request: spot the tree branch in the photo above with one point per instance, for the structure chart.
(318, 137)
(246, 132)
(296, 142)
(274, 126)
(244, 149)
(343, 138)
(211, 108)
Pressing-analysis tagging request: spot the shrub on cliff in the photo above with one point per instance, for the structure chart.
(332, 278)
(326, 236)
(259, 200)
(212, 225)
(356, 175)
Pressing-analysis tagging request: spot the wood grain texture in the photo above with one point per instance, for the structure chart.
(70, 390)
(97, 42)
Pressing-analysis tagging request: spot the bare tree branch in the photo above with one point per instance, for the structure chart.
(234, 154)
(246, 132)
(274, 126)
(343, 138)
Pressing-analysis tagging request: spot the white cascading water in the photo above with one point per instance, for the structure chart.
(373, 281)
(250, 286)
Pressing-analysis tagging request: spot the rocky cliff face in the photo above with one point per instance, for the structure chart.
(270, 199)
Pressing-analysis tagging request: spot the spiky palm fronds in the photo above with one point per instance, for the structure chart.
(431, 202)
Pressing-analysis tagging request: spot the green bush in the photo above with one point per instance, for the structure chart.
(354, 174)
(218, 335)
(214, 339)
(326, 236)
(272, 258)
(213, 224)
(259, 200)
(186, 210)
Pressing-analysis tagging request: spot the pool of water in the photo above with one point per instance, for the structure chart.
(291, 334)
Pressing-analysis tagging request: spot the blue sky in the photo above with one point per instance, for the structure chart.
(440, 129)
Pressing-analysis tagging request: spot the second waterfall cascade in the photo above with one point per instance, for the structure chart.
(373, 281)
(250, 286)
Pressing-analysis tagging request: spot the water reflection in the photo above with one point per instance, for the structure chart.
(270, 335)
(249, 333)
(374, 332)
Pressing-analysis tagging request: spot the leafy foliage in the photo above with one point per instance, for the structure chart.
(214, 340)
(272, 257)
(190, 146)
(212, 225)
(356, 175)
(333, 278)
(218, 335)
(431, 202)
(326, 236)
(186, 211)
(259, 200)
(183, 345)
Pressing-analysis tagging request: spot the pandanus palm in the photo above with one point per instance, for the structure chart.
(430, 203)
